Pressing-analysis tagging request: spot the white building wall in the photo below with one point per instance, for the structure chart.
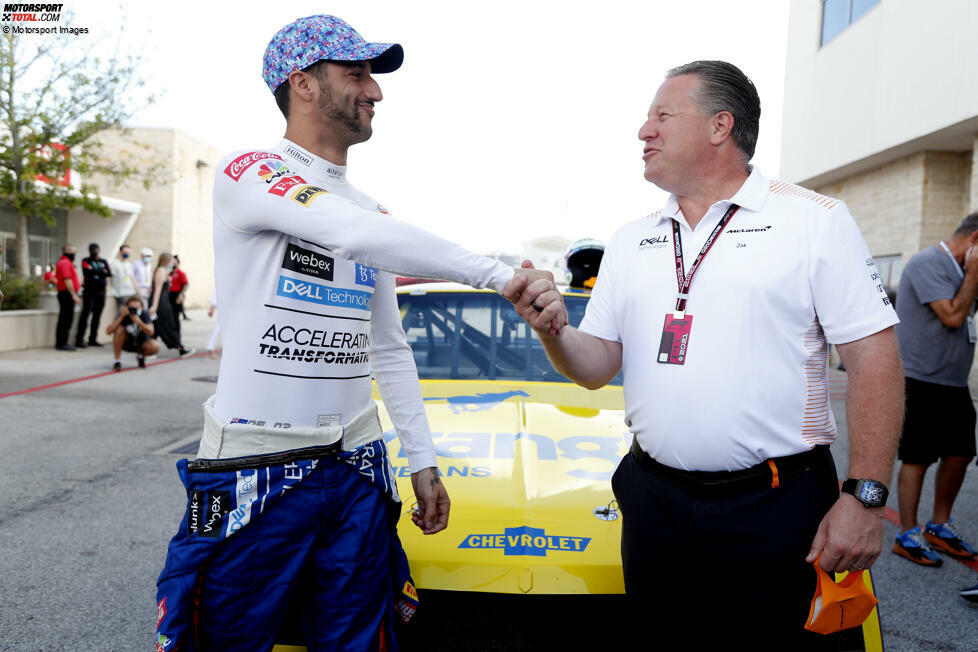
(85, 228)
(875, 87)
(973, 181)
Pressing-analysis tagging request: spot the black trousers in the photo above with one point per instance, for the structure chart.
(92, 304)
(177, 309)
(66, 312)
(709, 570)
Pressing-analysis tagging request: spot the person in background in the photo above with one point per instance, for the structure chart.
(178, 291)
(132, 330)
(937, 340)
(212, 341)
(96, 271)
(143, 273)
(160, 308)
(50, 279)
(123, 282)
(67, 285)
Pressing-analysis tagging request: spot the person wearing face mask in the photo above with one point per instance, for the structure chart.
(160, 308)
(122, 284)
(96, 272)
(50, 278)
(178, 291)
(143, 273)
(68, 286)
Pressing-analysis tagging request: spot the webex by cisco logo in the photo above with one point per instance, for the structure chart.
(306, 261)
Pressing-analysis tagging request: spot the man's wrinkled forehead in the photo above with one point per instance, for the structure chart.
(674, 93)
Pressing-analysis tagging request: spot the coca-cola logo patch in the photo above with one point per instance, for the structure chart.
(238, 166)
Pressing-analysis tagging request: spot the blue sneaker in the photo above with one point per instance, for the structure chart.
(946, 539)
(911, 545)
(970, 594)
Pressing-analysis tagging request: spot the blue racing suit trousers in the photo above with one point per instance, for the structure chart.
(311, 541)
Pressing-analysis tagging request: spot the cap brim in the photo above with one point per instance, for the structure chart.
(388, 57)
(383, 57)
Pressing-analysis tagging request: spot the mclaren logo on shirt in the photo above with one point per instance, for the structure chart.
(305, 261)
(291, 288)
(305, 194)
(759, 229)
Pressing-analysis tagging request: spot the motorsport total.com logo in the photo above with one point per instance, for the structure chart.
(31, 13)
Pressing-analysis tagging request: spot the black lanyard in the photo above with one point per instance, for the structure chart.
(683, 280)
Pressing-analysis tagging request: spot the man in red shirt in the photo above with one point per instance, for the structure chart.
(178, 290)
(50, 278)
(68, 286)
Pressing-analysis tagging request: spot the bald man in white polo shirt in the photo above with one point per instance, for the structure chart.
(720, 309)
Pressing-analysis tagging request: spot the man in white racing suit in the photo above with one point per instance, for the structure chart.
(305, 269)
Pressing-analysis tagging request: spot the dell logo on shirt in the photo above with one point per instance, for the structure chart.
(291, 288)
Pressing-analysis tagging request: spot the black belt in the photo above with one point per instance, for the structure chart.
(767, 474)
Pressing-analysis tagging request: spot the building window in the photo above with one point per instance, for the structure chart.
(41, 250)
(837, 15)
(7, 251)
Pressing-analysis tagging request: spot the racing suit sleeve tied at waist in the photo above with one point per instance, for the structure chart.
(225, 440)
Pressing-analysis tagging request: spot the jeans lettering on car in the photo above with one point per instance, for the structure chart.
(500, 446)
(461, 471)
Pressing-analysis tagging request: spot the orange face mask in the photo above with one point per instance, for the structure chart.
(838, 606)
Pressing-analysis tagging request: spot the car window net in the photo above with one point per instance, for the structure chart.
(478, 336)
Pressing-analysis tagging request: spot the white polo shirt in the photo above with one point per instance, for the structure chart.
(789, 274)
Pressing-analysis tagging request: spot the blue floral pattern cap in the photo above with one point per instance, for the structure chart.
(307, 40)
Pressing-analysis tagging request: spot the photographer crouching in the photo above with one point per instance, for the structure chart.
(133, 331)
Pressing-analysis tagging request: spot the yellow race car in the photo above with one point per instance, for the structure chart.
(531, 556)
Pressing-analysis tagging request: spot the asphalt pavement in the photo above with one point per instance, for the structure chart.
(91, 498)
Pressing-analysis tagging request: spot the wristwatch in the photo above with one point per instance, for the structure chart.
(869, 492)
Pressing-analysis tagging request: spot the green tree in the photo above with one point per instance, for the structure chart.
(66, 91)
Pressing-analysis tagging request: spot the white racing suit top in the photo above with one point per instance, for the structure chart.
(305, 268)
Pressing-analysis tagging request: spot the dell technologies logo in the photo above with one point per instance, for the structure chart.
(655, 242)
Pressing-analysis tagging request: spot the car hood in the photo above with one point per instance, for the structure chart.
(528, 469)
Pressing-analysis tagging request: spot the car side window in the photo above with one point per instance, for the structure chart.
(477, 336)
